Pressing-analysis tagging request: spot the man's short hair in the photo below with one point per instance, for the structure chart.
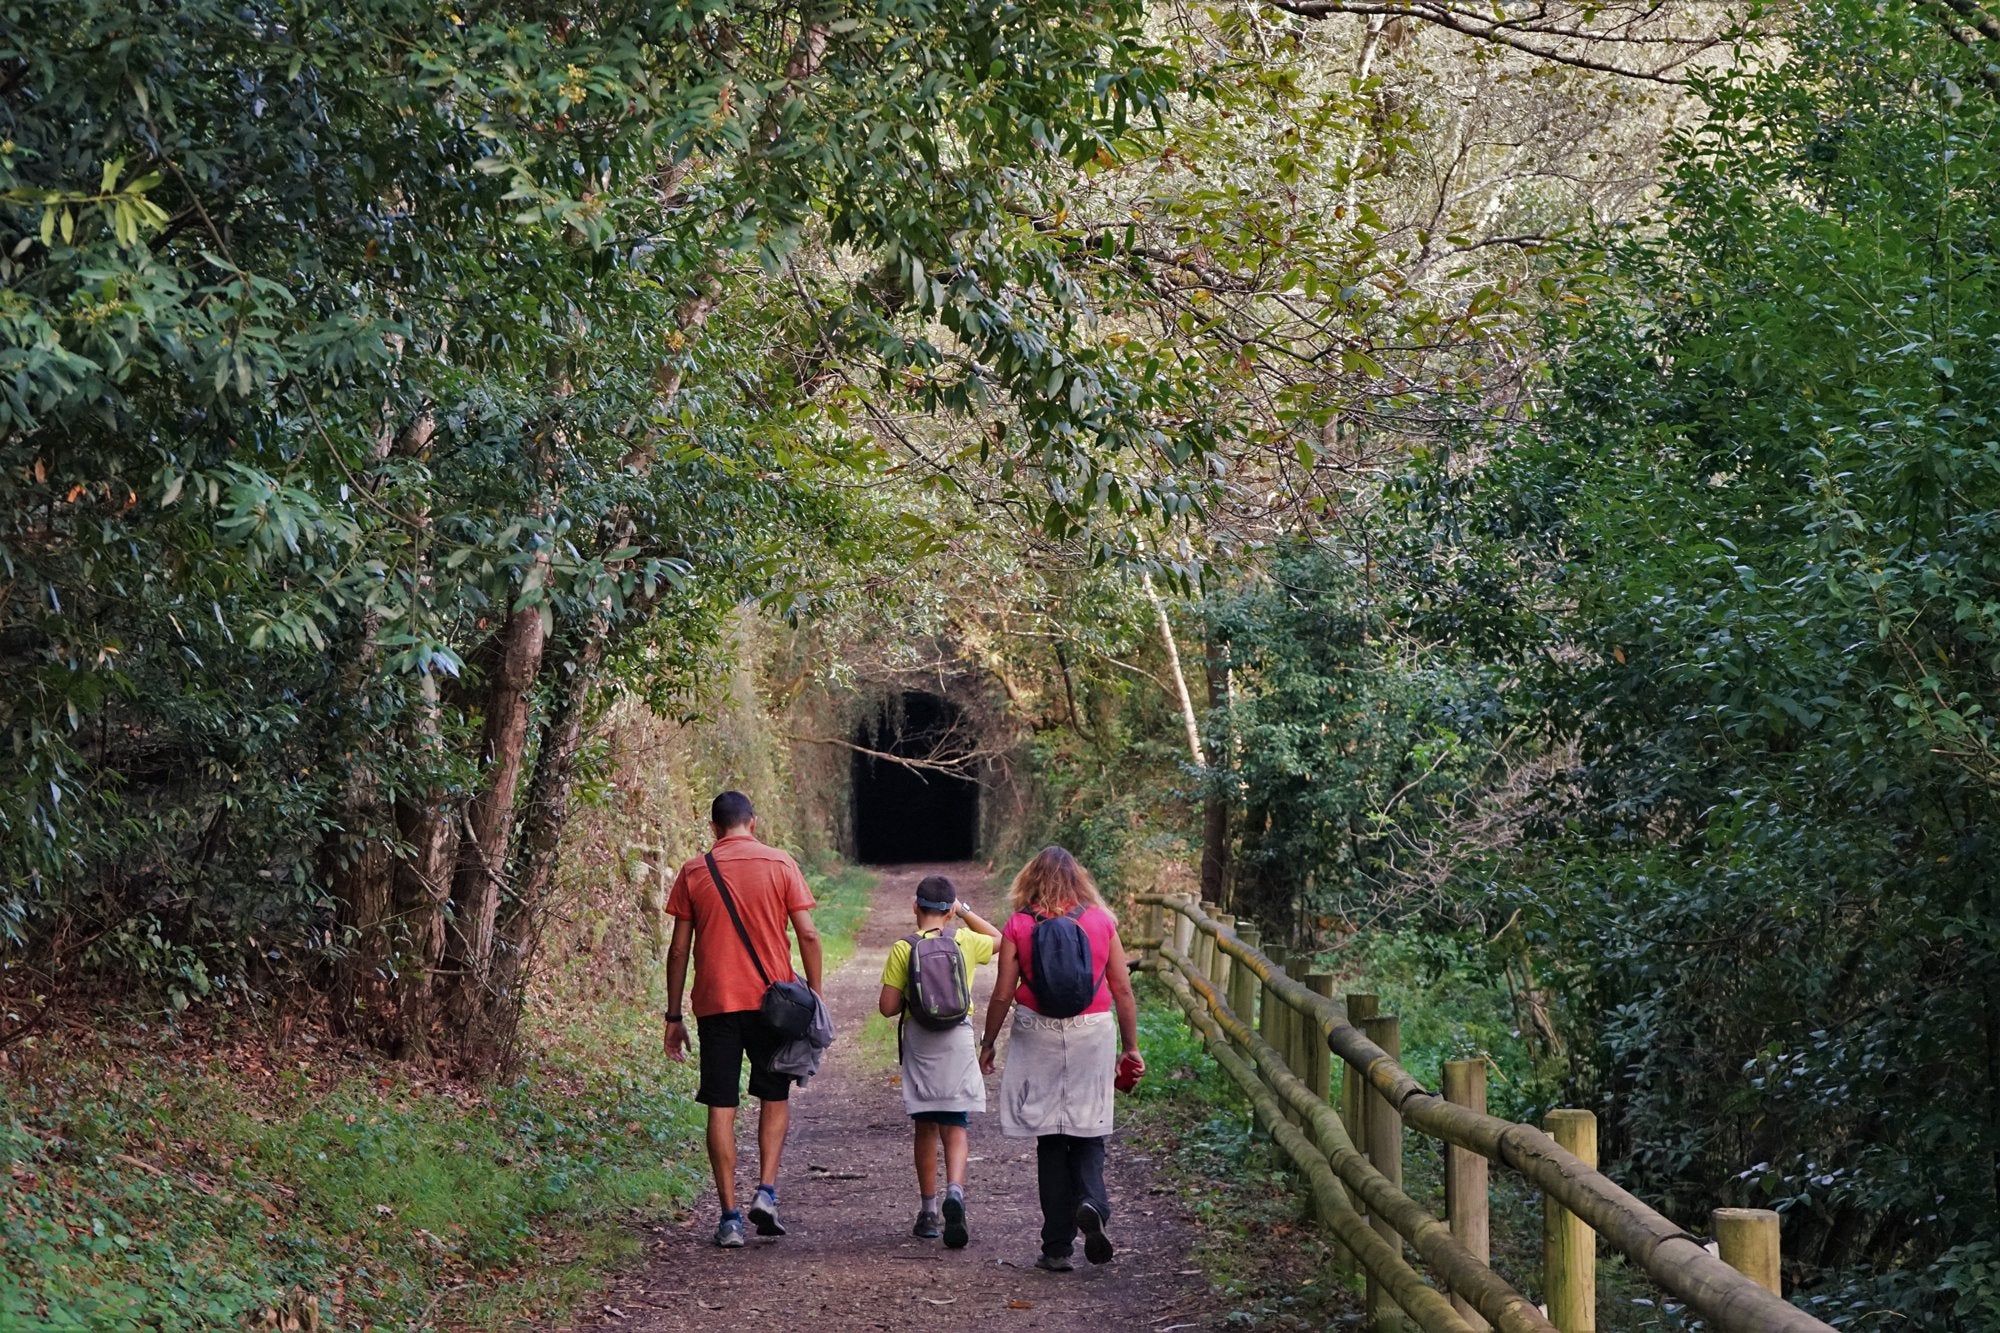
(732, 809)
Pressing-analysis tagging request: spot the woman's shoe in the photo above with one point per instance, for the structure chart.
(1055, 1263)
(1096, 1245)
(927, 1225)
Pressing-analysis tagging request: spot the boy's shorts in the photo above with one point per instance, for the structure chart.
(725, 1040)
(954, 1119)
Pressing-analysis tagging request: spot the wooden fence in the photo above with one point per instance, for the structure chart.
(1278, 1038)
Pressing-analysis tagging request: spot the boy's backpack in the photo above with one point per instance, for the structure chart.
(1059, 965)
(936, 994)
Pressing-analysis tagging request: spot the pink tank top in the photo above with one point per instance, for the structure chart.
(1099, 927)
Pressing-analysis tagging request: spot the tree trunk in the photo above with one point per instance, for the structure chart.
(423, 890)
(537, 855)
(1215, 800)
(357, 858)
(479, 881)
(1188, 719)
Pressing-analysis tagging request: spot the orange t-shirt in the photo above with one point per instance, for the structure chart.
(767, 888)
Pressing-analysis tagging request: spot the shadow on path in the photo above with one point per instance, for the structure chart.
(849, 1196)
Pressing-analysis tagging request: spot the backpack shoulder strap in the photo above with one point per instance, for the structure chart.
(722, 887)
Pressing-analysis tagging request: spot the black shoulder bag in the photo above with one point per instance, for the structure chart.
(789, 1006)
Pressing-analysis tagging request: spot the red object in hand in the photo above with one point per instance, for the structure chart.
(1130, 1067)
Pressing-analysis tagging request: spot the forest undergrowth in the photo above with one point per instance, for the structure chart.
(214, 1174)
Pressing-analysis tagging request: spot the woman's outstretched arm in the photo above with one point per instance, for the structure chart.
(1009, 976)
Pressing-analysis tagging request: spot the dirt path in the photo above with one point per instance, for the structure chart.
(848, 1196)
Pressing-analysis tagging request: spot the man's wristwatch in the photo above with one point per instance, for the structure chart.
(673, 1018)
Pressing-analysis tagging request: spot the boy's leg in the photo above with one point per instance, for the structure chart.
(957, 1150)
(927, 1158)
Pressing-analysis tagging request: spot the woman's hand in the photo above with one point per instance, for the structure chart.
(986, 1061)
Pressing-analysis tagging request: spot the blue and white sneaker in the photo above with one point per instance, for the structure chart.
(764, 1212)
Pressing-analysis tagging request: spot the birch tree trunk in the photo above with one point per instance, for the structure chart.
(1188, 718)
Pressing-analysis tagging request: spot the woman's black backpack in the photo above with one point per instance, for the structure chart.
(1060, 970)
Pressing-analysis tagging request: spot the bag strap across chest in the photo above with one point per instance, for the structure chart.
(722, 887)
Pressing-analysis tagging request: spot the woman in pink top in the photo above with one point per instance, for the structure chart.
(1057, 1088)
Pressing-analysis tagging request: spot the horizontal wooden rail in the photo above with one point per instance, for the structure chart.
(1677, 1261)
(1489, 1293)
(1381, 1260)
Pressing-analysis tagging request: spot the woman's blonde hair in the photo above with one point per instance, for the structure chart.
(1052, 884)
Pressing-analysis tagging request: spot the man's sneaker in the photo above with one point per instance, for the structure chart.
(927, 1225)
(729, 1234)
(955, 1234)
(1096, 1245)
(764, 1212)
(1055, 1263)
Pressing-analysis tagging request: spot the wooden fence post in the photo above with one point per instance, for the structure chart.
(1465, 1182)
(1154, 924)
(1225, 966)
(1244, 983)
(1277, 1026)
(1747, 1239)
(1320, 1070)
(1385, 1153)
(1184, 934)
(1270, 1008)
(1361, 1007)
(1569, 1248)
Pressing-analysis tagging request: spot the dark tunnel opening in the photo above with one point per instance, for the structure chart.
(904, 814)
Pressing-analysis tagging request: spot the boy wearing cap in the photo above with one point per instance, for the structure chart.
(941, 1078)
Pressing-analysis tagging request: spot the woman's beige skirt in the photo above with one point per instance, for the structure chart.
(1058, 1075)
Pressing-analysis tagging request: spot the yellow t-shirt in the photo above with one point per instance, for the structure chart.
(974, 948)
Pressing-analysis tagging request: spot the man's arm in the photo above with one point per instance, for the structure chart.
(809, 950)
(677, 971)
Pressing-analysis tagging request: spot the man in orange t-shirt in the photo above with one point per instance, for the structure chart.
(769, 893)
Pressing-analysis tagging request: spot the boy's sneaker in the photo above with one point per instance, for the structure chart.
(764, 1212)
(955, 1234)
(1055, 1263)
(729, 1233)
(927, 1225)
(1096, 1245)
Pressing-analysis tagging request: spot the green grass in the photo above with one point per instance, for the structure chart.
(163, 1185)
(153, 1180)
(843, 895)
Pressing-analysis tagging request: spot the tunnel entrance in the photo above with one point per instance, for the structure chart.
(904, 814)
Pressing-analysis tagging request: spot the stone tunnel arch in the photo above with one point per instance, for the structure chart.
(913, 812)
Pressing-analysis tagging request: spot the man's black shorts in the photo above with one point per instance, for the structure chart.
(725, 1040)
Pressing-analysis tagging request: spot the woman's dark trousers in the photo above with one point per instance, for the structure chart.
(1069, 1171)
